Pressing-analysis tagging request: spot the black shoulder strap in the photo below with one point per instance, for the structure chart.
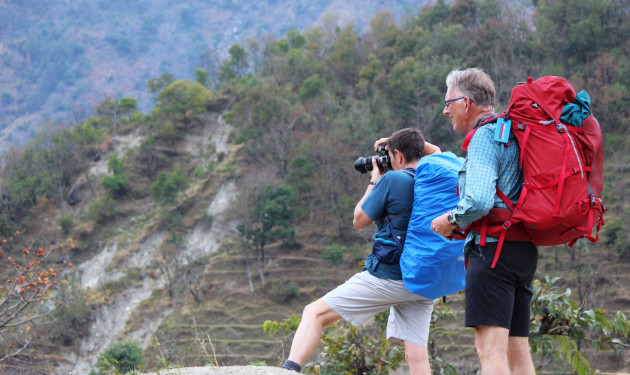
(411, 172)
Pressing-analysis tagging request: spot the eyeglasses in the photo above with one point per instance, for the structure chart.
(447, 103)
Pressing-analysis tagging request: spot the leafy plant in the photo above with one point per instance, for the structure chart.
(116, 183)
(66, 223)
(333, 254)
(25, 296)
(348, 349)
(559, 323)
(167, 186)
(120, 358)
(283, 291)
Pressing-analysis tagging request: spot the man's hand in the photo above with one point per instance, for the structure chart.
(380, 142)
(440, 225)
(375, 173)
(429, 148)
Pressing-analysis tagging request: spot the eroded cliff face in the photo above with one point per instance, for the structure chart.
(136, 249)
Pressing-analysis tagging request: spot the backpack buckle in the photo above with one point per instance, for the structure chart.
(507, 225)
(561, 127)
(597, 202)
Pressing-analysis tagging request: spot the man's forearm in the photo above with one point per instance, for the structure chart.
(361, 219)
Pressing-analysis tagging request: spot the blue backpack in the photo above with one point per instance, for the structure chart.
(431, 265)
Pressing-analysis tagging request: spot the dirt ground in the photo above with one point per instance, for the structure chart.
(231, 370)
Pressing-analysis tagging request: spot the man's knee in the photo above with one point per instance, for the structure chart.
(519, 350)
(416, 355)
(319, 312)
(491, 342)
(312, 310)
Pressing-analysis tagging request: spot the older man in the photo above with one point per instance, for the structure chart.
(497, 299)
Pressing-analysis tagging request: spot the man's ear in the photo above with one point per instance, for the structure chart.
(400, 158)
(468, 103)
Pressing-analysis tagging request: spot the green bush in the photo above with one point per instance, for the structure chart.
(115, 184)
(179, 179)
(283, 292)
(199, 172)
(120, 358)
(103, 209)
(166, 187)
(348, 349)
(73, 315)
(616, 237)
(333, 254)
(66, 223)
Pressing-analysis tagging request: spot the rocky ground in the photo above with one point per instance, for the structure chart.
(232, 370)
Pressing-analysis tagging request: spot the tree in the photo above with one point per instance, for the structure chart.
(155, 85)
(183, 101)
(235, 66)
(573, 32)
(311, 87)
(345, 58)
(117, 182)
(201, 76)
(24, 295)
(273, 212)
(167, 186)
(113, 109)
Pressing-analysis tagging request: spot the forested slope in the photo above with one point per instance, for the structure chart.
(59, 58)
(299, 110)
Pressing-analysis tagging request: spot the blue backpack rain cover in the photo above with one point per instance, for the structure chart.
(431, 265)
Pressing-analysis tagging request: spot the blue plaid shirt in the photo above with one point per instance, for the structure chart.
(489, 164)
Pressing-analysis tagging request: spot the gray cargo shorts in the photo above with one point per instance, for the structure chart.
(365, 295)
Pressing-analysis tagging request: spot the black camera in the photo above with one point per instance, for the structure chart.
(364, 165)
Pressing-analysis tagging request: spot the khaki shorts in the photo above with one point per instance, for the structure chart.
(365, 295)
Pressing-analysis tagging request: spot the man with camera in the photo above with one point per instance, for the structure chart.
(387, 202)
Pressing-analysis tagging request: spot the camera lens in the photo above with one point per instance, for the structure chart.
(363, 165)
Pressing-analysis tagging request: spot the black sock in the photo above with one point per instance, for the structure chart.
(290, 365)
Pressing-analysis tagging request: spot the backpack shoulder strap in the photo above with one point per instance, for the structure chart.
(470, 134)
(412, 173)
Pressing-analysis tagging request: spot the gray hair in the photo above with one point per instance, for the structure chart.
(475, 84)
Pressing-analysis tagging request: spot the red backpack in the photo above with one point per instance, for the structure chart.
(562, 169)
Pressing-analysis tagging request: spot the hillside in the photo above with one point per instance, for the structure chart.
(175, 233)
(194, 307)
(59, 59)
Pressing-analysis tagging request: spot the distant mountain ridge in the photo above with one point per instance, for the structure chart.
(59, 59)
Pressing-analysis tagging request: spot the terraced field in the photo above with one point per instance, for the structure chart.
(225, 327)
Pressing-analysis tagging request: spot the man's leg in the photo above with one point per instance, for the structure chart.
(492, 348)
(315, 317)
(520, 357)
(417, 358)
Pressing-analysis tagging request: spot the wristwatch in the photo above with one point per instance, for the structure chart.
(451, 218)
